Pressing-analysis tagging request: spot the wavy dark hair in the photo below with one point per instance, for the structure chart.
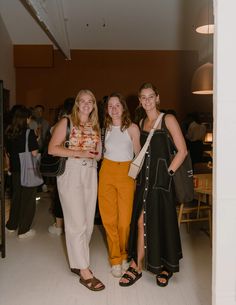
(125, 120)
(18, 123)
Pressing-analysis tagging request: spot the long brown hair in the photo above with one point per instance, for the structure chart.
(93, 117)
(18, 123)
(125, 119)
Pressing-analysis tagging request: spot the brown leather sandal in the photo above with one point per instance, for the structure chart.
(92, 283)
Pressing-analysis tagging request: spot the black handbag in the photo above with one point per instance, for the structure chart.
(183, 177)
(53, 166)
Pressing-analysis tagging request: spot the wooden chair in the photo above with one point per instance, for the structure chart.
(195, 211)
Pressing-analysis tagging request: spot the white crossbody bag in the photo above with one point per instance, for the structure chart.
(137, 162)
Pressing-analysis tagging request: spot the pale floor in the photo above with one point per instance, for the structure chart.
(35, 272)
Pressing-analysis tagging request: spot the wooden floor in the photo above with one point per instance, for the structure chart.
(35, 272)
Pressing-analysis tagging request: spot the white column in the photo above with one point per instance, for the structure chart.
(224, 197)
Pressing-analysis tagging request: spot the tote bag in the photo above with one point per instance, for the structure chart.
(29, 167)
(183, 177)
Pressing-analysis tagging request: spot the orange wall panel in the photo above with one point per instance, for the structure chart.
(33, 56)
(106, 71)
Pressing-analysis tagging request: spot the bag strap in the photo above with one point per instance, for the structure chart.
(103, 135)
(171, 145)
(26, 140)
(142, 152)
(66, 144)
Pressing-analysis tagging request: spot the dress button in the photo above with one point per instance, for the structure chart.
(145, 247)
(144, 212)
(145, 234)
(145, 189)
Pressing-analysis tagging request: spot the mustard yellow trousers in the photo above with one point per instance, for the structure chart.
(115, 197)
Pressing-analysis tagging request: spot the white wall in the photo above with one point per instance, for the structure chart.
(224, 199)
(7, 71)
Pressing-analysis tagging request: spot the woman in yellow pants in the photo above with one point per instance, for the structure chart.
(116, 188)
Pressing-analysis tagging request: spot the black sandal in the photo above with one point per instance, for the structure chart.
(163, 276)
(131, 280)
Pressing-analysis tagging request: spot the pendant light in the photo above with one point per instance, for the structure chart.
(202, 81)
(205, 23)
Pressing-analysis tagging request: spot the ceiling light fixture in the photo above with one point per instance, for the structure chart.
(205, 24)
(202, 81)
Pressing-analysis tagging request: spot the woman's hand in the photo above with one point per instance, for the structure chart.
(177, 136)
(86, 154)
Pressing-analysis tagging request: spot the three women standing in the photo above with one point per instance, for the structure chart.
(77, 187)
(116, 189)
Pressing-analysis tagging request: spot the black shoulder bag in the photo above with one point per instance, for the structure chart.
(53, 166)
(183, 177)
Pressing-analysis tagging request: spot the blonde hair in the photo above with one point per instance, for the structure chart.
(93, 116)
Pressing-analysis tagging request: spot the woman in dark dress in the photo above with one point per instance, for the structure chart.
(154, 232)
(23, 202)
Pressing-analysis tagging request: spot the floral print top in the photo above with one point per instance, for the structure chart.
(83, 138)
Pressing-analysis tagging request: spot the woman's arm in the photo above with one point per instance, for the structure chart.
(135, 137)
(56, 144)
(177, 136)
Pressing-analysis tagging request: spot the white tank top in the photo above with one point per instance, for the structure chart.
(118, 145)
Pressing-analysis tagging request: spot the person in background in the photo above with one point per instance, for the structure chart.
(22, 209)
(154, 232)
(77, 186)
(116, 188)
(58, 226)
(7, 120)
(42, 131)
(195, 136)
(43, 125)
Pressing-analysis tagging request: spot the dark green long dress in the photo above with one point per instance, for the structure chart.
(155, 196)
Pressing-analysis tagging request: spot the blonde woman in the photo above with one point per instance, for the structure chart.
(116, 189)
(77, 187)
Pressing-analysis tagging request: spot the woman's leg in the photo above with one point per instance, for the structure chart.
(74, 190)
(28, 206)
(140, 246)
(107, 200)
(140, 253)
(125, 189)
(13, 221)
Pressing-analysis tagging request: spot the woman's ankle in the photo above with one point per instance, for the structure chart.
(86, 273)
(135, 266)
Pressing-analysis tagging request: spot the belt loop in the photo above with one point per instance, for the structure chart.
(84, 163)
